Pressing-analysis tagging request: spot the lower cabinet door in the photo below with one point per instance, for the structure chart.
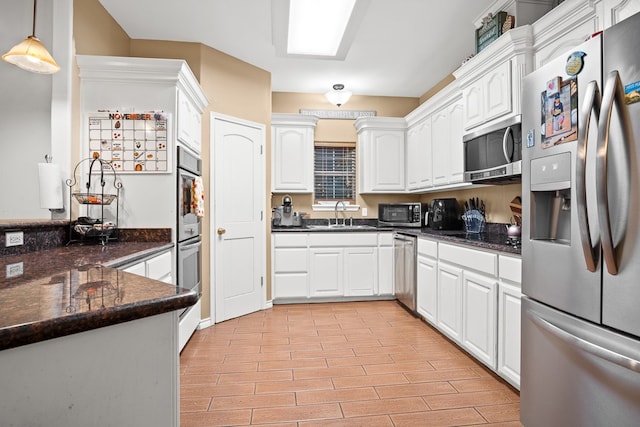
(427, 292)
(449, 310)
(360, 274)
(326, 272)
(509, 305)
(480, 317)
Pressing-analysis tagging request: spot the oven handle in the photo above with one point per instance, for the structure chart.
(191, 247)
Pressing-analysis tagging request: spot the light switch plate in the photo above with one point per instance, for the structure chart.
(365, 212)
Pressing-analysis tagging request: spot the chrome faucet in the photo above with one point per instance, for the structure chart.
(343, 209)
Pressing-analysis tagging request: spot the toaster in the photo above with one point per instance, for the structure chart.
(444, 214)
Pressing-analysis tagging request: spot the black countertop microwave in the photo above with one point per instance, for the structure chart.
(401, 214)
(494, 154)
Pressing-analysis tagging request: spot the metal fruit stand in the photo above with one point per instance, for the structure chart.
(88, 229)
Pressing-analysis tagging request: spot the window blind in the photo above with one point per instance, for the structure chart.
(335, 171)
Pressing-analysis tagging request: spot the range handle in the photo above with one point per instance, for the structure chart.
(587, 346)
(591, 104)
(613, 95)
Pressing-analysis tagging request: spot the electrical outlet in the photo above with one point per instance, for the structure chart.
(364, 212)
(14, 270)
(14, 238)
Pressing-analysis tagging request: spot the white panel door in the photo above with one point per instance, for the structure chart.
(237, 226)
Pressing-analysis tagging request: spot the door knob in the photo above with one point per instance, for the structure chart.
(221, 231)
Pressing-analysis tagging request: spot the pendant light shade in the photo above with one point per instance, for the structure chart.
(338, 96)
(31, 55)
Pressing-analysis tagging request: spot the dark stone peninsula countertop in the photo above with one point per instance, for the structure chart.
(65, 290)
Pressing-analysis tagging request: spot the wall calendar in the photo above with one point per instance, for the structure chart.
(136, 143)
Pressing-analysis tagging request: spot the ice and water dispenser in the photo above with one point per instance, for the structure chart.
(550, 217)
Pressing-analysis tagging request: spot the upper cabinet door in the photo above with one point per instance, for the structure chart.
(381, 151)
(189, 123)
(419, 147)
(497, 91)
(489, 97)
(292, 139)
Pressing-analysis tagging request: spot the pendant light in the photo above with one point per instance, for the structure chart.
(338, 96)
(30, 54)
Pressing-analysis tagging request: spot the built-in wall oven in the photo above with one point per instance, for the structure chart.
(189, 227)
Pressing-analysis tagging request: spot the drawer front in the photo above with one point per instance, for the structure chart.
(510, 268)
(485, 262)
(160, 266)
(428, 248)
(385, 239)
(290, 240)
(287, 260)
(339, 239)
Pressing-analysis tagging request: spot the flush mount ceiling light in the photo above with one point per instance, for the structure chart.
(30, 54)
(315, 29)
(338, 96)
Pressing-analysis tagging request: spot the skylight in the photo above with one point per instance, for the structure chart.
(316, 27)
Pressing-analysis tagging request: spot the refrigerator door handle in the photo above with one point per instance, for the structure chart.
(505, 150)
(613, 94)
(591, 104)
(586, 346)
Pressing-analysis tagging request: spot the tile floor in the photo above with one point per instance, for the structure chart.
(337, 364)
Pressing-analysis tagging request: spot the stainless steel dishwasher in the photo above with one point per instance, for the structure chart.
(404, 269)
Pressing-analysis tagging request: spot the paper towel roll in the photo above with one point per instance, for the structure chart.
(50, 186)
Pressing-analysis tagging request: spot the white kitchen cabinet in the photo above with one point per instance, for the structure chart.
(189, 122)
(381, 153)
(474, 273)
(509, 303)
(448, 149)
(563, 28)
(360, 279)
(427, 280)
(480, 316)
(488, 97)
(491, 81)
(331, 265)
(449, 309)
(292, 137)
(385, 264)
(419, 155)
(618, 10)
(290, 265)
(326, 272)
(157, 267)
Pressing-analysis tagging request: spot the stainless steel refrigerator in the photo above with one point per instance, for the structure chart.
(581, 235)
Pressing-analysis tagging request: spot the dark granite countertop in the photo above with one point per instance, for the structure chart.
(494, 238)
(56, 292)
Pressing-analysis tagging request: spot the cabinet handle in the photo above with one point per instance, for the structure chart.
(221, 231)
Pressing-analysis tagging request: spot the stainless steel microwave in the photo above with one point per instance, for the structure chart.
(494, 154)
(401, 214)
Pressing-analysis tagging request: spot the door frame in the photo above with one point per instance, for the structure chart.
(212, 222)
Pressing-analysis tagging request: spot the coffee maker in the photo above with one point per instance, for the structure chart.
(284, 216)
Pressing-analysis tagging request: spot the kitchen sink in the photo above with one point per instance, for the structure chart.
(340, 227)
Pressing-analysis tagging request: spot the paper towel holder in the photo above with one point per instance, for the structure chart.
(49, 159)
